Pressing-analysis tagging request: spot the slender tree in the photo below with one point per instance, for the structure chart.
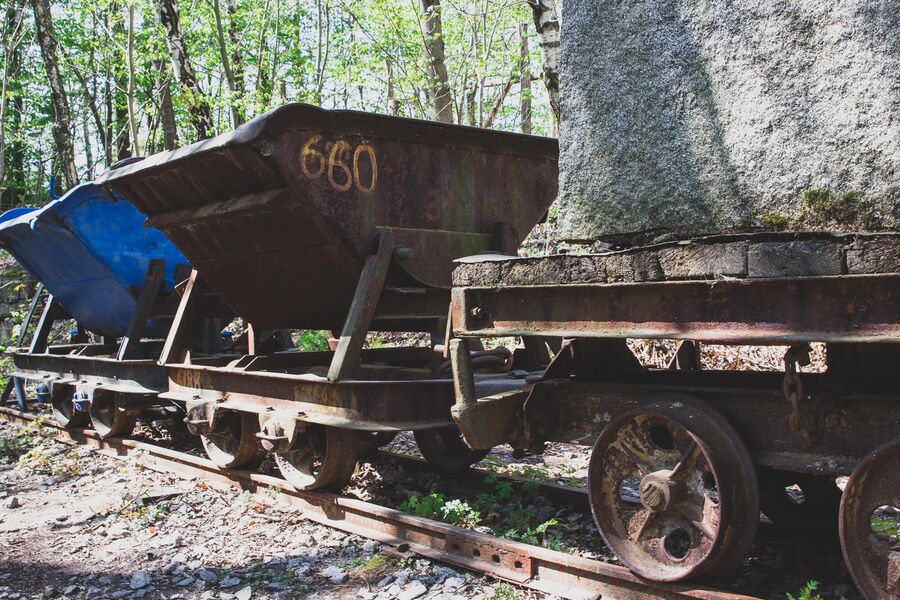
(524, 80)
(439, 94)
(236, 116)
(546, 23)
(198, 107)
(166, 108)
(11, 39)
(120, 127)
(62, 122)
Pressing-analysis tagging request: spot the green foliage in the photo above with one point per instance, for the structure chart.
(775, 221)
(435, 506)
(313, 340)
(505, 507)
(886, 527)
(345, 55)
(144, 516)
(23, 441)
(807, 593)
(823, 207)
(503, 591)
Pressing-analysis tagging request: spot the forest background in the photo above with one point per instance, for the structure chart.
(87, 83)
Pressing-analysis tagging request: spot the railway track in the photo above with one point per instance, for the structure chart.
(533, 567)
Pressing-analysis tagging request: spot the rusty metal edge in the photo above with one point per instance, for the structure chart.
(550, 571)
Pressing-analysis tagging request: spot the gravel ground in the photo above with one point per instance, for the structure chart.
(76, 524)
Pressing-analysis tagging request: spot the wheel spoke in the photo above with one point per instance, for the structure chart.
(640, 465)
(688, 459)
(644, 516)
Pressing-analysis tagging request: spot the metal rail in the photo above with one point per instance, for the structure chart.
(534, 567)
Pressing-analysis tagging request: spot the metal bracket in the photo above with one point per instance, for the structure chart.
(15, 382)
(128, 349)
(346, 360)
(178, 332)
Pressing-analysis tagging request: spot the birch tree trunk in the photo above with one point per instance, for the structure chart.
(393, 105)
(62, 123)
(439, 88)
(546, 23)
(129, 94)
(198, 107)
(524, 80)
(166, 109)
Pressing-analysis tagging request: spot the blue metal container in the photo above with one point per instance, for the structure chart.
(92, 253)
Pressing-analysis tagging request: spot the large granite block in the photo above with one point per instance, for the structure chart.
(692, 117)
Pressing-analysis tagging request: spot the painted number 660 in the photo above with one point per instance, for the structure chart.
(336, 163)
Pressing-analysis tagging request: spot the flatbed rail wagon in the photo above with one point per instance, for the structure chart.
(684, 457)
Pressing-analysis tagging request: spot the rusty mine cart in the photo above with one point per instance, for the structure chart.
(684, 458)
(342, 221)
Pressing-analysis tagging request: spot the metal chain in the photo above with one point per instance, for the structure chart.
(802, 422)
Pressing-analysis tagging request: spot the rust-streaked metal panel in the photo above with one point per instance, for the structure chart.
(141, 376)
(847, 308)
(279, 215)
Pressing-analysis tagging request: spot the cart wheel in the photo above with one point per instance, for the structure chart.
(370, 441)
(673, 490)
(107, 417)
(64, 408)
(232, 443)
(870, 520)
(799, 500)
(446, 451)
(320, 457)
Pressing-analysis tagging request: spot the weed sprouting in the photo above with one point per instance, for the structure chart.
(807, 593)
(507, 508)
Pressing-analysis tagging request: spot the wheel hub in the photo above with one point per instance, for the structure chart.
(659, 491)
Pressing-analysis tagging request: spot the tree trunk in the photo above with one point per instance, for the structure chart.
(546, 23)
(166, 109)
(236, 117)
(498, 103)
(90, 101)
(524, 80)
(393, 105)
(323, 45)
(10, 60)
(198, 107)
(237, 55)
(129, 94)
(263, 84)
(62, 123)
(439, 95)
(88, 151)
(121, 129)
(11, 64)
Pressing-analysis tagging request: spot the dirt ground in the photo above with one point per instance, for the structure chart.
(75, 524)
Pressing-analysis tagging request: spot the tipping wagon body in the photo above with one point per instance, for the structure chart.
(100, 266)
(280, 215)
(92, 252)
(339, 220)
